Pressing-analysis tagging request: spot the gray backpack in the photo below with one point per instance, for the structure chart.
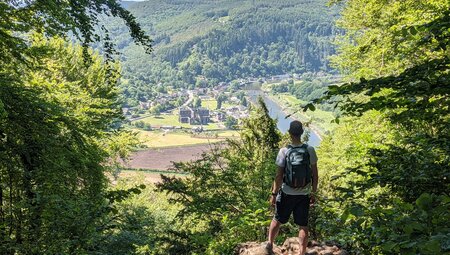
(297, 171)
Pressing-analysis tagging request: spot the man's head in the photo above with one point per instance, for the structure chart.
(295, 128)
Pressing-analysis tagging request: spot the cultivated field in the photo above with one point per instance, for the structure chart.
(160, 139)
(212, 104)
(162, 158)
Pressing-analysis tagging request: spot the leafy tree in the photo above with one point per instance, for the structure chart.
(397, 60)
(59, 118)
(414, 97)
(147, 126)
(244, 102)
(156, 110)
(58, 128)
(143, 222)
(197, 102)
(139, 124)
(220, 99)
(57, 19)
(231, 122)
(280, 88)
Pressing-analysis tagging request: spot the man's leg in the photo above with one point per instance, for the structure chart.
(301, 213)
(273, 230)
(283, 209)
(303, 239)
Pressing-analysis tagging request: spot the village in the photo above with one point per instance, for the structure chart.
(198, 109)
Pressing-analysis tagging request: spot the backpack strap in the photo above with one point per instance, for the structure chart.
(304, 146)
(289, 148)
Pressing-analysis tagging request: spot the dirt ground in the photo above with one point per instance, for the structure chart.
(161, 158)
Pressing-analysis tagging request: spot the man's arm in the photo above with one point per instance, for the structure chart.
(315, 181)
(277, 184)
(278, 180)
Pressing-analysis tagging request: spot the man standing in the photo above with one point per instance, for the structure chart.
(297, 175)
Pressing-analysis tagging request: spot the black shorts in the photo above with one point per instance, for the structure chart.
(286, 204)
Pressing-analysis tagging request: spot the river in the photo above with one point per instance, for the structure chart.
(276, 112)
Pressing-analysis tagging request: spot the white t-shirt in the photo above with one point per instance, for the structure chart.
(281, 162)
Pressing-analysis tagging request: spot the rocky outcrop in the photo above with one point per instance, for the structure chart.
(289, 247)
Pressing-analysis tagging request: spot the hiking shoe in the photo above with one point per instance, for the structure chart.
(269, 248)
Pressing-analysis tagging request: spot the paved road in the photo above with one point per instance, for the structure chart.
(191, 97)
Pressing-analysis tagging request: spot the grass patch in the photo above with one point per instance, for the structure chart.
(290, 100)
(226, 105)
(209, 104)
(228, 134)
(164, 120)
(212, 104)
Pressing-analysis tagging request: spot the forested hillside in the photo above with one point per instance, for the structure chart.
(202, 43)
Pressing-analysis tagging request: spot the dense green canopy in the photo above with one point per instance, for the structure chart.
(392, 192)
(59, 116)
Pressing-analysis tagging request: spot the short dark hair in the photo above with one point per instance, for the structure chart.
(296, 128)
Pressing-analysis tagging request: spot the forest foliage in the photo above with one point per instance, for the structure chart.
(391, 185)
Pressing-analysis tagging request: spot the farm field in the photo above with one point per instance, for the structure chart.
(209, 104)
(161, 158)
(160, 139)
(212, 104)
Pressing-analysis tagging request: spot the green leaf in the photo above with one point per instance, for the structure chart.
(424, 201)
(404, 32)
(357, 211)
(431, 247)
(333, 88)
(388, 246)
(344, 216)
(408, 229)
(309, 106)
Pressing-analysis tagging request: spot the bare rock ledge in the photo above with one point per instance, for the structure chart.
(289, 247)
